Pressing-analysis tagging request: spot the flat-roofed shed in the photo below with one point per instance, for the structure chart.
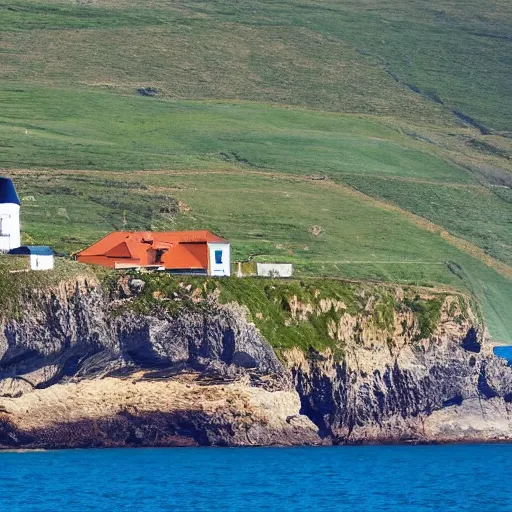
(40, 256)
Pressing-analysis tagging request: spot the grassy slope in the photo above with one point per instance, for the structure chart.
(69, 73)
(269, 217)
(101, 130)
(307, 52)
(72, 211)
(91, 130)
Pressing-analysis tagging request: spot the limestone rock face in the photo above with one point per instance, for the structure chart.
(391, 388)
(139, 411)
(81, 368)
(77, 332)
(220, 334)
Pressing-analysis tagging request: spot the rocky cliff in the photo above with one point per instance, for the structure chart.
(173, 362)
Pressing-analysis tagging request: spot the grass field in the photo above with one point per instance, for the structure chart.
(407, 102)
(50, 128)
(80, 130)
(72, 211)
(482, 215)
(266, 216)
(346, 56)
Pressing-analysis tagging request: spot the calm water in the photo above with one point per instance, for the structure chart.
(440, 478)
(505, 352)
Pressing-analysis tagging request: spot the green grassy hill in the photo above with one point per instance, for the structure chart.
(402, 108)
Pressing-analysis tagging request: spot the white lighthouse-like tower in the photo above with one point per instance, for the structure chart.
(9, 216)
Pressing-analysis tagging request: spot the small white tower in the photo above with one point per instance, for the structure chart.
(9, 216)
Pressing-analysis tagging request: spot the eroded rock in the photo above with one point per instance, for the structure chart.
(78, 368)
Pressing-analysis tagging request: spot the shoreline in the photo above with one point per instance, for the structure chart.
(475, 442)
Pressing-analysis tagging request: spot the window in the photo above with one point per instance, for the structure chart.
(218, 257)
(4, 224)
(158, 255)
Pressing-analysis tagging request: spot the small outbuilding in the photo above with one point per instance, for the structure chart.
(40, 256)
(274, 269)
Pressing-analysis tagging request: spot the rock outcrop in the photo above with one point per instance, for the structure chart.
(83, 367)
(440, 389)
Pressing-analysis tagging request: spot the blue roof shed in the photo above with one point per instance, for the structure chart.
(38, 250)
(8, 192)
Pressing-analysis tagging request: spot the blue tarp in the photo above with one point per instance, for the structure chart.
(39, 250)
(8, 192)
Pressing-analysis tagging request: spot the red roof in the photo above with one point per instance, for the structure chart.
(170, 249)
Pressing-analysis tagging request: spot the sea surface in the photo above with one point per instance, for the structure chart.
(373, 478)
(504, 352)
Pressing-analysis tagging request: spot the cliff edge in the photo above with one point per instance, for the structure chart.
(159, 361)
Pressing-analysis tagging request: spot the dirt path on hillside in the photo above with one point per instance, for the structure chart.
(419, 181)
(315, 181)
(423, 223)
(378, 262)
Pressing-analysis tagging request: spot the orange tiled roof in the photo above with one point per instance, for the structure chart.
(178, 249)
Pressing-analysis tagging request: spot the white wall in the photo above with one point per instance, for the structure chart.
(9, 226)
(219, 269)
(274, 269)
(41, 262)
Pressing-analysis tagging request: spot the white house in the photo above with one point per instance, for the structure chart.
(40, 256)
(9, 216)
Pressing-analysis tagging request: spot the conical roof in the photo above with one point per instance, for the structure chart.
(8, 192)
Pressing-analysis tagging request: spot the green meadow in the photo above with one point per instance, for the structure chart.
(323, 229)
(331, 55)
(48, 128)
(303, 131)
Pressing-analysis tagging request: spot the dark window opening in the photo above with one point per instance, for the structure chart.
(158, 255)
(218, 257)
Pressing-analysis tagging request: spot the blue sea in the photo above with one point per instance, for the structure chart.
(373, 478)
(505, 352)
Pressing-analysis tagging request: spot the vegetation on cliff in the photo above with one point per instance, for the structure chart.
(18, 284)
(306, 314)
